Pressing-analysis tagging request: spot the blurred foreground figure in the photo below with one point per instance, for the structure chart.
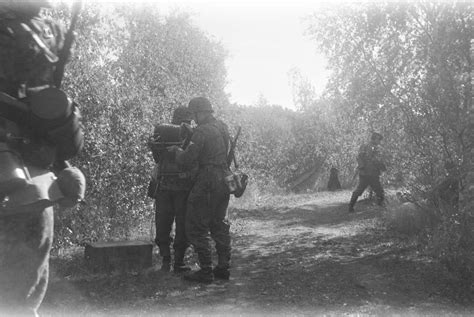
(370, 166)
(39, 131)
(170, 186)
(206, 216)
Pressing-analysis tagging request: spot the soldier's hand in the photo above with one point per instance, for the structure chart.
(173, 148)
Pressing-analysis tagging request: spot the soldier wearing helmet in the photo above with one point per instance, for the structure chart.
(209, 197)
(30, 46)
(170, 188)
(181, 115)
(370, 166)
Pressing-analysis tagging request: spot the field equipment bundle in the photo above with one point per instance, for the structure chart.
(165, 135)
(56, 117)
(168, 174)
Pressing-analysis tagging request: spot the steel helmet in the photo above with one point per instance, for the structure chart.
(200, 104)
(181, 114)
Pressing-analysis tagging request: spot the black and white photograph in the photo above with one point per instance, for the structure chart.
(236, 158)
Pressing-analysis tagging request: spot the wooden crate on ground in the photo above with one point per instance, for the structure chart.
(119, 255)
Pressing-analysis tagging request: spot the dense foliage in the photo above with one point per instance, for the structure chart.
(131, 67)
(400, 69)
(404, 69)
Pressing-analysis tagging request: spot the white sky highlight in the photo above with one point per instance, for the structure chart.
(265, 40)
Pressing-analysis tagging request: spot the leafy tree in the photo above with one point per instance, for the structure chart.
(131, 67)
(404, 69)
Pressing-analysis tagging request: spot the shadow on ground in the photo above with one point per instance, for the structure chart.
(313, 258)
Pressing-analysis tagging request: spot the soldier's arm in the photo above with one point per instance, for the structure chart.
(190, 155)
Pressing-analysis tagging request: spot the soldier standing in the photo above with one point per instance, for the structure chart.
(170, 190)
(39, 128)
(209, 198)
(370, 166)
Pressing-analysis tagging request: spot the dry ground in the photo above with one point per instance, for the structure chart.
(292, 255)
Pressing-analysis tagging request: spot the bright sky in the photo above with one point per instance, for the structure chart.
(265, 40)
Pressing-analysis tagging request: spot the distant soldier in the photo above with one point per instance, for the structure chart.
(209, 197)
(39, 131)
(370, 166)
(170, 188)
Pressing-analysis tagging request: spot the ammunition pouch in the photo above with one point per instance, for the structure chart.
(171, 181)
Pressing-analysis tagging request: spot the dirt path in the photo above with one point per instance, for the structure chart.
(303, 255)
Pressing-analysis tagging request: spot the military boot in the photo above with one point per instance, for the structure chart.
(179, 266)
(204, 275)
(166, 264)
(221, 271)
(352, 202)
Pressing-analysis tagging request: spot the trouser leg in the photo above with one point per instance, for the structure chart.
(25, 243)
(164, 216)
(180, 241)
(197, 229)
(220, 228)
(376, 186)
(361, 186)
(353, 201)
